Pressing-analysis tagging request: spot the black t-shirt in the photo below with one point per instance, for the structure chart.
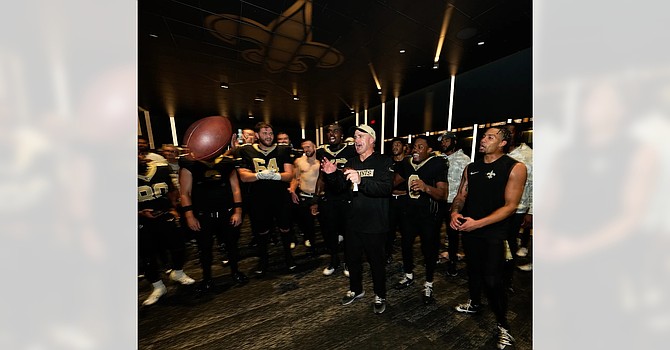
(210, 190)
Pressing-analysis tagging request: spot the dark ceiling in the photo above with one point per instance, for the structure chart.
(323, 50)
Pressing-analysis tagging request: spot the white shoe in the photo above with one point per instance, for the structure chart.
(340, 238)
(181, 277)
(308, 243)
(346, 270)
(157, 293)
(522, 252)
(527, 267)
(292, 245)
(328, 270)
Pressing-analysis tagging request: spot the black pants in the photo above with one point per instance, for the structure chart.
(372, 244)
(304, 218)
(268, 211)
(485, 258)
(453, 236)
(156, 236)
(333, 214)
(395, 213)
(210, 224)
(419, 221)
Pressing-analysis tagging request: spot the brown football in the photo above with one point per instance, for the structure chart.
(206, 138)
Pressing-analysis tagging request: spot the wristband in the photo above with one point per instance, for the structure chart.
(186, 208)
(237, 205)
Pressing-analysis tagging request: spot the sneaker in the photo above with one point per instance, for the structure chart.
(292, 245)
(527, 267)
(467, 308)
(522, 252)
(308, 243)
(379, 305)
(340, 238)
(181, 277)
(157, 293)
(504, 338)
(328, 270)
(451, 270)
(240, 278)
(351, 296)
(404, 282)
(346, 270)
(428, 296)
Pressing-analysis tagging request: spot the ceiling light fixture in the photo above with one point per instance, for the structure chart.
(443, 32)
(296, 97)
(224, 85)
(402, 51)
(259, 99)
(480, 43)
(153, 35)
(436, 65)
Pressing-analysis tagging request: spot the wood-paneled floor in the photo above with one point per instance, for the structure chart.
(301, 310)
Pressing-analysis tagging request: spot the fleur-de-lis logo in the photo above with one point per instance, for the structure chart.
(284, 44)
(490, 174)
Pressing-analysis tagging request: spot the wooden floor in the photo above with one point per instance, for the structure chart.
(301, 310)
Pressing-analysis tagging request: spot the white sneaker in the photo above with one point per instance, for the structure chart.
(308, 243)
(346, 270)
(522, 252)
(527, 267)
(157, 293)
(292, 245)
(328, 270)
(340, 238)
(181, 277)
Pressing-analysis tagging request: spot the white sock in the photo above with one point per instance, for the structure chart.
(428, 284)
(409, 275)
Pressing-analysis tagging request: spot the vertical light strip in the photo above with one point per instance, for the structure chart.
(303, 133)
(409, 139)
(395, 119)
(383, 126)
(174, 131)
(150, 133)
(321, 134)
(451, 102)
(474, 141)
(365, 117)
(317, 139)
(357, 120)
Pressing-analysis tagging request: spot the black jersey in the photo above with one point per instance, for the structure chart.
(432, 170)
(339, 157)
(273, 159)
(210, 190)
(153, 185)
(486, 191)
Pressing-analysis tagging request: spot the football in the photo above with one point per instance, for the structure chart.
(206, 138)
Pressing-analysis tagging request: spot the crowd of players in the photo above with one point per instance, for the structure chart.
(360, 199)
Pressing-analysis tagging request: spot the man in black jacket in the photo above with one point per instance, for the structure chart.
(368, 178)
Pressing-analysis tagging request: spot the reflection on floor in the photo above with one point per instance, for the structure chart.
(301, 310)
